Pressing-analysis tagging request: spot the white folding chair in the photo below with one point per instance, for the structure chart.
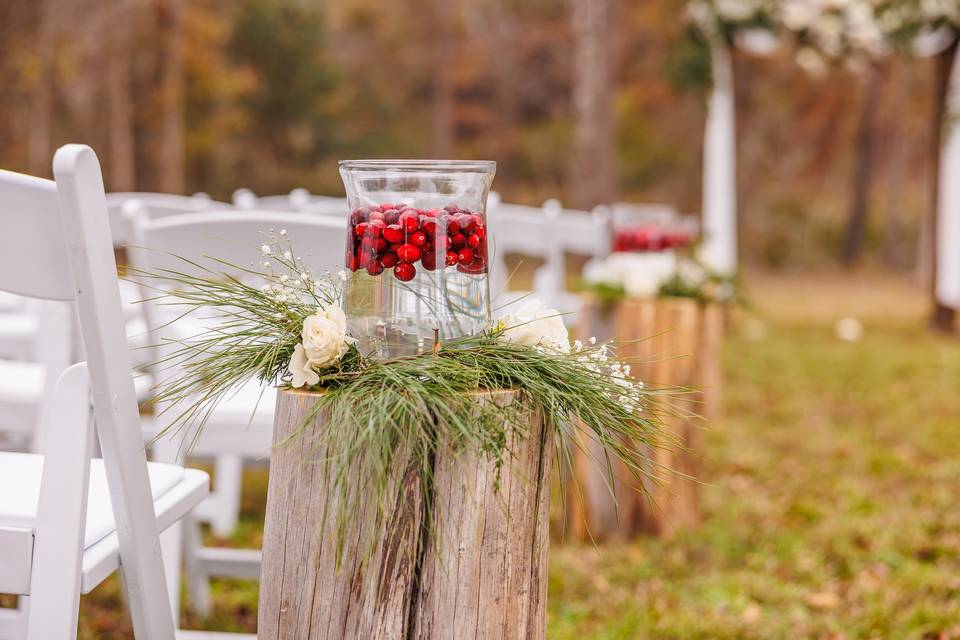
(29, 370)
(522, 230)
(297, 200)
(241, 426)
(120, 205)
(66, 521)
(244, 198)
(584, 233)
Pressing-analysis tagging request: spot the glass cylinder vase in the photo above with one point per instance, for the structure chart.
(416, 253)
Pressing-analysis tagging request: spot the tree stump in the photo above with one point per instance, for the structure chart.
(670, 342)
(482, 574)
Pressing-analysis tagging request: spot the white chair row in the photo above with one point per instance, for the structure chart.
(548, 234)
(68, 521)
(298, 199)
(122, 205)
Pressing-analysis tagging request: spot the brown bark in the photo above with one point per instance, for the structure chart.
(670, 343)
(122, 166)
(942, 318)
(593, 175)
(481, 573)
(863, 174)
(443, 52)
(170, 151)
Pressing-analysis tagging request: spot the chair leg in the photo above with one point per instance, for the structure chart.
(171, 547)
(198, 580)
(171, 541)
(227, 480)
(58, 547)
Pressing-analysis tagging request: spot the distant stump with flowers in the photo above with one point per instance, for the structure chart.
(666, 313)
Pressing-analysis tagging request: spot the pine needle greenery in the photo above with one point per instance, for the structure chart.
(385, 417)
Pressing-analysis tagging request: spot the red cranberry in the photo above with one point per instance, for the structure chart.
(473, 241)
(404, 271)
(386, 206)
(375, 228)
(475, 267)
(481, 232)
(429, 261)
(458, 241)
(393, 233)
(389, 260)
(360, 230)
(359, 215)
(465, 256)
(418, 238)
(431, 213)
(410, 221)
(467, 222)
(429, 226)
(390, 216)
(452, 226)
(375, 215)
(451, 258)
(365, 255)
(452, 208)
(408, 252)
(374, 267)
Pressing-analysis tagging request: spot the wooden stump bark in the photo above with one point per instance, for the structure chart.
(672, 342)
(481, 573)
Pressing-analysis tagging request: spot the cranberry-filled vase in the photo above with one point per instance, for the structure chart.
(416, 252)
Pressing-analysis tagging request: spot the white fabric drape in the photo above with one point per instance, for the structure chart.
(948, 200)
(720, 167)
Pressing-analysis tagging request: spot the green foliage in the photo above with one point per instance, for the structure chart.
(283, 44)
(687, 63)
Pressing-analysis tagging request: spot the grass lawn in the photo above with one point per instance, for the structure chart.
(831, 493)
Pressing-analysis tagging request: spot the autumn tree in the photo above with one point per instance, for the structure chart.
(593, 179)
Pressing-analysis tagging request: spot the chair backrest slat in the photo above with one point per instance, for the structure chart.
(235, 237)
(32, 258)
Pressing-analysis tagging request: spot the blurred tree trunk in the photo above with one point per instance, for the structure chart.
(593, 179)
(443, 51)
(170, 151)
(941, 317)
(498, 25)
(863, 176)
(122, 174)
(39, 152)
(896, 153)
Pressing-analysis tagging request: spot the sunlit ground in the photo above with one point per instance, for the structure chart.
(831, 496)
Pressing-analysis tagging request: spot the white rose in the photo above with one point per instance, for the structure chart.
(302, 370)
(324, 336)
(534, 325)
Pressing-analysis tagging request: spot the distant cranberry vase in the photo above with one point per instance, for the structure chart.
(416, 252)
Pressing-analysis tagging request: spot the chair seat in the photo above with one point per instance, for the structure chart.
(175, 491)
(21, 382)
(241, 424)
(251, 403)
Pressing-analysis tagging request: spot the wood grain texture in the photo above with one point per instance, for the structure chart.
(481, 574)
(672, 342)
